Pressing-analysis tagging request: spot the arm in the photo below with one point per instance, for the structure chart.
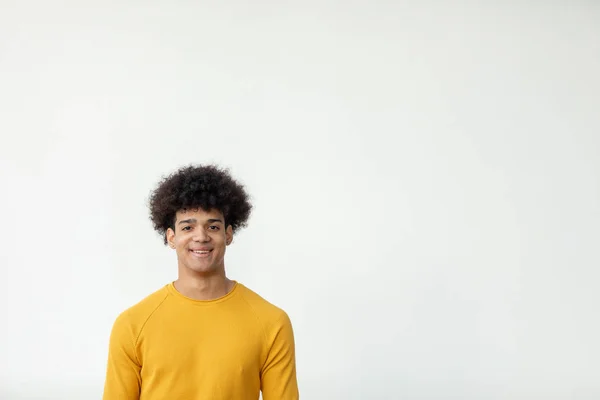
(123, 379)
(278, 375)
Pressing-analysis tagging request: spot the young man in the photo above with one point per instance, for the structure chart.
(202, 336)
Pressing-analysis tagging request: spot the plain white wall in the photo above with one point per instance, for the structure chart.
(425, 175)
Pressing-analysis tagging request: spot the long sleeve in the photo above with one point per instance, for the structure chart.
(123, 379)
(278, 377)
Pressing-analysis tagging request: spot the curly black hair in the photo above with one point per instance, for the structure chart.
(198, 186)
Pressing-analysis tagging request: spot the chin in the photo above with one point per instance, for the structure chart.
(202, 268)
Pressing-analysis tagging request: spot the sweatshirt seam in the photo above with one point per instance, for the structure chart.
(262, 329)
(171, 291)
(266, 347)
(135, 343)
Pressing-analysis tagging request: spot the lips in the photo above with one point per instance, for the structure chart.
(201, 253)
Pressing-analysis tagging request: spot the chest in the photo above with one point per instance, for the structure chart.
(227, 346)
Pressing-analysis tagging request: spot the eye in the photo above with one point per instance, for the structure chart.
(186, 228)
(214, 227)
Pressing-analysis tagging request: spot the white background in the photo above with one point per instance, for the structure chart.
(426, 181)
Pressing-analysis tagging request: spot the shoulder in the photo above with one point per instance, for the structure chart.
(266, 312)
(135, 317)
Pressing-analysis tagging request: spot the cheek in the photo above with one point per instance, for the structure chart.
(180, 242)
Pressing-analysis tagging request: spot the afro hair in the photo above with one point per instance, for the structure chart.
(204, 187)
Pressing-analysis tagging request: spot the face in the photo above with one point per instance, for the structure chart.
(200, 239)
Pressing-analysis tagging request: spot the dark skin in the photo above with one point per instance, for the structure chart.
(200, 239)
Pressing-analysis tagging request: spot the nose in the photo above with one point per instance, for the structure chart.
(200, 235)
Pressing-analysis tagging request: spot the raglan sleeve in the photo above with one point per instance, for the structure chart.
(278, 376)
(123, 378)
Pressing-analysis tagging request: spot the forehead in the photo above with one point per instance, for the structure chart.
(198, 214)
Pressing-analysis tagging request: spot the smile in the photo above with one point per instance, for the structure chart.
(200, 253)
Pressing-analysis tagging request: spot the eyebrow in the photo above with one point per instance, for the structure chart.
(194, 220)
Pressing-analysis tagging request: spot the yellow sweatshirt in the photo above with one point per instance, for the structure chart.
(171, 347)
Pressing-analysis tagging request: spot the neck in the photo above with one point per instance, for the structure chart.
(203, 287)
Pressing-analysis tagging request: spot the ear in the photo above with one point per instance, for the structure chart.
(170, 234)
(228, 235)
